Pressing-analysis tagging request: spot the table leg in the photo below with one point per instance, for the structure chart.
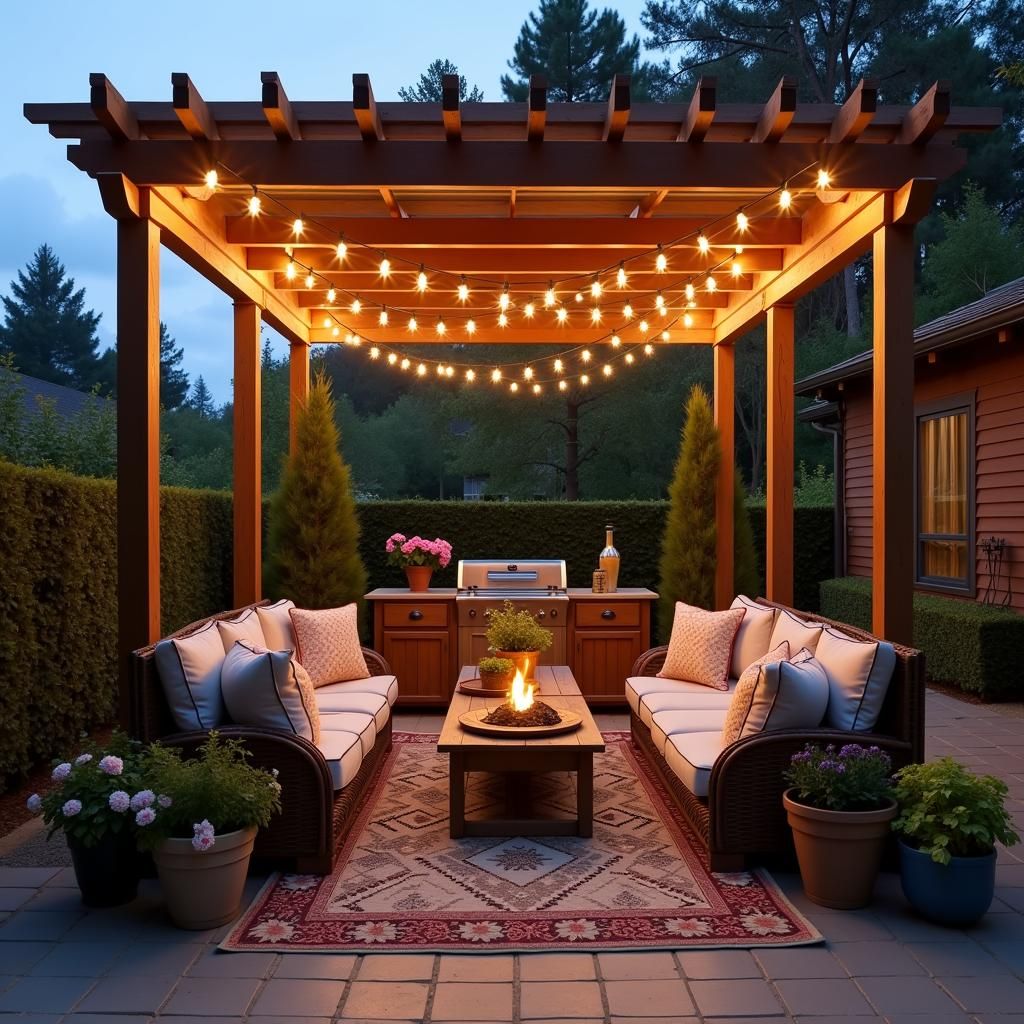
(456, 795)
(585, 794)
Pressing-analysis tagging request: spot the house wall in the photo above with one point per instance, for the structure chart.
(995, 373)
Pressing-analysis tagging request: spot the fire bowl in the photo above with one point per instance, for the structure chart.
(473, 721)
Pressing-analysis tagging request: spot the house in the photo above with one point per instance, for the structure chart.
(969, 451)
(66, 402)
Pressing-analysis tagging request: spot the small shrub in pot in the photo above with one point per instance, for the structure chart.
(517, 636)
(496, 673)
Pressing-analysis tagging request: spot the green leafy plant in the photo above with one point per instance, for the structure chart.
(512, 630)
(850, 778)
(947, 811)
(216, 789)
(91, 796)
(495, 666)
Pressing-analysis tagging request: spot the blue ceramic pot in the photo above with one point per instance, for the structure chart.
(956, 894)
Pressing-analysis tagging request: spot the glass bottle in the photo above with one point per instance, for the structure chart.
(609, 560)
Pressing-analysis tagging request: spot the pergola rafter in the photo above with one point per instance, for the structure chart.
(523, 193)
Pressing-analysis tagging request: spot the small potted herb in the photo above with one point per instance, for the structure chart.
(90, 804)
(839, 806)
(496, 673)
(202, 830)
(517, 636)
(949, 823)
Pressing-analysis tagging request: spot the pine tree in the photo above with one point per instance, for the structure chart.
(428, 87)
(579, 50)
(47, 329)
(201, 399)
(173, 380)
(314, 531)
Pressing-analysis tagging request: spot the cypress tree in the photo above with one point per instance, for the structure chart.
(314, 531)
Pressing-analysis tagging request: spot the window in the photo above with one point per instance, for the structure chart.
(945, 489)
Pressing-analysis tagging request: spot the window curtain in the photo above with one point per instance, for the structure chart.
(942, 495)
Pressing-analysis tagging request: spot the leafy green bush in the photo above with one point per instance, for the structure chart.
(967, 645)
(509, 629)
(947, 811)
(496, 666)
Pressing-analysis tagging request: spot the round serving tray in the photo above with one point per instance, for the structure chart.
(480, 691)
(473, 721)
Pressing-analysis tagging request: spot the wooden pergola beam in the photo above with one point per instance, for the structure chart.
(364, 106)
(247, 456)
(536, 108)
(778, 112)
(927, 115)
(277, 109)
(617, 115)
(555, 165)
(191, 108)
(111, 109)
(450, 108)
(298, 389)
(724, 366)
(395, 210)
(444, 301)
(856, 113)
(701, 111)
(779, 372)
(491, 334)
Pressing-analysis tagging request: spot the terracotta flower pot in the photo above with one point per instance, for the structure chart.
(418, 577)
(525, 661)
(496, 680)
(839, 852)
(204, 890)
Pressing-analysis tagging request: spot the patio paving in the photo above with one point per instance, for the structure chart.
(62, 963)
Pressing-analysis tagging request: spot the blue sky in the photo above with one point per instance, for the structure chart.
(50, 47)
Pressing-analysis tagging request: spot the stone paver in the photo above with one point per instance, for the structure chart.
(540, 999)
(660, 997)
(287, 997)
(393, 1000)
(472, 1001)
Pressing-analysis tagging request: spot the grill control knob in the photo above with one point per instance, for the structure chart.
(554, 613)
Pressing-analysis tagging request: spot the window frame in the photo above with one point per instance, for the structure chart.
(937, 408)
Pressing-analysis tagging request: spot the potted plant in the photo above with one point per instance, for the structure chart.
(839, 806)
(949, 823)
(90, 804)
(517, 636)
(419, 558)
(202, 831)
(496, 673)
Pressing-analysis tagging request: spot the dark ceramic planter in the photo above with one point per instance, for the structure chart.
(107, 873)
(955, 894)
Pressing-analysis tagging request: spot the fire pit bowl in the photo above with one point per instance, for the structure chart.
(474, 722)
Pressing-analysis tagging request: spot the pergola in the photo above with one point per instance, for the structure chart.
(514, 193)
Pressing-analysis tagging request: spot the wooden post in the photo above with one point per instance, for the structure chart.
(892, 550)
(725, 418)
(779, 524)
(248, 457)
(138, 443)
(298, 389)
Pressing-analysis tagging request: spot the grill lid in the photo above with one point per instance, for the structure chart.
(525, 576)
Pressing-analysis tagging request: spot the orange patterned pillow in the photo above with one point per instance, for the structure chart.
(327, 644)
(700, 648)
(743, 695)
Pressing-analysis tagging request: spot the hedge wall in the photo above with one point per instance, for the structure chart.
(967, 645)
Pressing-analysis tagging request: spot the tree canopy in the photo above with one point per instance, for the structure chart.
(427, 88)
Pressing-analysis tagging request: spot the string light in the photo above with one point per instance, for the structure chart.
(711, 284)
(584, 379)
(687, 320)
(503, 319)
(559, 365)
(621, 277)
(297, 227)
(549, 296)
(412, 325)
(341, 249)
(385, 267)
(742, 221)
(471, 327)
(528, 373)
(562, 315)
(690, 291)
(463, 289)
(513, 387)
(627, 311)
(736, 268)
(383, 318)
(585, 355)
(504, 300)
(563, 385)
(607, 369)
(211, 179)
(449, 371)
(495, 376)
(665, 336)
(578, 296)
(327, 321)
(421, 280)
(421, 370)
(392, 358)
(310, 280)
(331, 295)
(703, 244)
(440, 328)
(644, 326)
(375, 352)
(255, 204)
(785, 198)
(660, 261)
(290, 270)
(659, 303)
(356, 306)
(335, 331)
(537, 389)
(528, 310)
(405, 364)
(440, 369)
(595, 289)
(470, 376)
(595, 315)
(824, 180)
(648, 350)
(616, 341)
(629, 358)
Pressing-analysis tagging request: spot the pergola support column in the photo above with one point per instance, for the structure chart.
(298, 389)
(248, 456)
(892, 554)
(725, 420)
(779, 522)
(138, 441)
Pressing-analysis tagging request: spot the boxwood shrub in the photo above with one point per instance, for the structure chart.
(967, 645)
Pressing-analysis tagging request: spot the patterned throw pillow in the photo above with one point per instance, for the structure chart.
(327, 644)
(700, 648)
(744, 692)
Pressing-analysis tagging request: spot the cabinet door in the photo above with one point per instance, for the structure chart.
(422, 661)
(604, 659)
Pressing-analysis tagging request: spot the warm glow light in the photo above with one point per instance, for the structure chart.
(665, 336)
(629, 358)
(503, 319)
(383, 318)
(327, 321)
(356, 306)
(559, 366)
(537, 389)
(660, 262)
(703, 244)
(711, 283)
(405, 364)
(421, 280)
(440, 328)
(736, 269)
(595, 315)
(375, 352)
(463, 290)
(354, 339)
(211, 179)
(412, 325)
(290, 270)
(648, 350)
(690, 291)
(627, 311)
(471, 327)
(341, 248)
(616, 341)
(738, 249)
(785, 199)
(297, 227)
(470, 376)
(578, 296)
(392, 358)
(440, 370)
(644, 326)
(687, 320)
(495, 376)
(563, 385)
(521, 694)
(513, 387)
(310, 280)
(742, 221)
(595, 289)
(385, 267)
(504, 299)
(331, 294)
(528, 310)
(660, 301)
(449, 371)
(255, 204)
(528, 373)
(562, 315)
(584, 379)
(824, 180)
(607, 370)
(335, 332)
(549, 297)
(421, 370)
(585, 355)
(621, 277)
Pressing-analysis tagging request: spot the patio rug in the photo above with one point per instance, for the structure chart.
(402, 885)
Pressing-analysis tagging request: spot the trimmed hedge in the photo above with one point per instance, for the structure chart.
(967, 645)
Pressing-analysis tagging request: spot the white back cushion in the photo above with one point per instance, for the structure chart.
(796, 631)
(277, 625)
(858, 678)
(788, 695)
(189, 670)
(754, 636)
(246, 627)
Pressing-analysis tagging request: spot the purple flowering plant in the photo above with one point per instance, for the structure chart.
(848, 778)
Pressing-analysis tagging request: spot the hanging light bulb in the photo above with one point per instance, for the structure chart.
(297, 227)
(703, 244)
(537, 389)
(665, 336)
(495, 376)
(528, 310)
(736, 269)
(549, 296)
(738, 249)
(503, 319)
(310, 280)
(335, 332)
(449, 371)
(354, 339)
(421, 370)
(211, 179)
(659, 302)
(404, 364)
(644, 326)
(558, 365)
(392, 358)
(385, 267)
(331, 295)
(687, 320)
(742, 221)
(421, 280)
(355, 305)
(504, 299)
(290, 270)
(412, 325)
(327, 321)
(463, 289)
(471, 327)
(585, 355)
(660, 261)
(255, 204)
(616, 341)
(562, 315)
(470, 376)
(621, 277)
(711, 284)
(595, 288)
(383, 318)
(578, 296)
(440, 328)
(439, 370)
(584, 379)
(627, 311)
(785, 198)
(513, 387)
(648, 350)
(528, 373)
(341, 249)
(824, 179)
(607, 369)
(629, 359)
(563, 385)
(375, 352)
(595, 315)
(690, 291)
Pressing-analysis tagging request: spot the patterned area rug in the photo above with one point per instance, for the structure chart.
(401, 884)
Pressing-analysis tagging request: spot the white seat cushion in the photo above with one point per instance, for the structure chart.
(343, 753)
(352, 721)
(699, 698)
(383, 686)
(637, 686)
(690, 755)
(368, 703)
(668, 723)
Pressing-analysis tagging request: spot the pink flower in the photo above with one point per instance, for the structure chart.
(164, 801)
(393, 541)
(83, 759)
(201, 828)
(111, 765)
(119, 801)
(202, 841)
(34, 803)
(61, 772)
(71, 808)
(144, 798)
(145, 817)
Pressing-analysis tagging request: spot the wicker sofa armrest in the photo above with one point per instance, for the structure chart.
(376, 663)
(650, 662)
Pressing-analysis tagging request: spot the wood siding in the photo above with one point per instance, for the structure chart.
(995, 373)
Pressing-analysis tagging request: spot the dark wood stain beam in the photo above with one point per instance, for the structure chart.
(277, 110)
(365, 108)
(927, 115)
(856, 113)
(617, 115)
(191, 108)
(111, 110)
(450, 107)
(777, 113)
(701, 111)
(537, 108)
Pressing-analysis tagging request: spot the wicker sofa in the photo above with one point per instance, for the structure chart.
(741, 819)
(315, 812)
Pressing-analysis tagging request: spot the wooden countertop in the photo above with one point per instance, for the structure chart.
(622, 594)
(448, 594)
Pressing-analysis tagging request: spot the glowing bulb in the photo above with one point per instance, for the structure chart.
(356, 306)
(421, 280)
(537, 389)
(470, 327)
(736, 268)
(310, 280)
(495, 376)
(595, 315)
(559, 366)
(665, 336)
(392, 358)
(660, 262)
(785, 199)
(297, 227)
(211, 179)
(503, 319)
(375, 352)
(703, 244)
(528, 310)
(504, 299)
(255, 204)
(584, 380)
(327, 321)
(644, 326)
(627, 311)
(528, 373)
(290, 270)
(607, 370)
(331, 295)
(383, 318)
(549, 297)
(563, 385)
(341, 248)
(690, 292)
(823, 179)
(621, 277)
(354, 339)
(463, 290)
(440, 328)
(412, 324)
(335, 332)
(711, 284)
(470, 376)
(648, 350)
(616, 341)
(578, 296)
(595, 289)
(404, 364)
(449, 372)
(440, 370)
(629, 359)
(660, 301)
(738, 249)
(742, 221)
(562, 315)
(421, 370)
(513, 387)
(585, 355)
(385, 267)
(687, 320)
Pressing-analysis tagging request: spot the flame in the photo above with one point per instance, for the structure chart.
(521, 696)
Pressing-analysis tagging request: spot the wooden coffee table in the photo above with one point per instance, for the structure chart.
(568, 752)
